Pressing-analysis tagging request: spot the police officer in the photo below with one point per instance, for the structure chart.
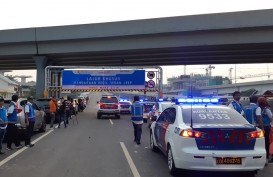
(250, 110)
(235, 104)
(30, 121)
(3, 122)
(137, 118)
(12, 134)
(264, 118)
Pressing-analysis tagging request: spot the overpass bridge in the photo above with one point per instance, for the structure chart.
(236, 37)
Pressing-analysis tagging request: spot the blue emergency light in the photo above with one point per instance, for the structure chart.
(160, 99)
(141, 100)
(197, 100)
(123, 100)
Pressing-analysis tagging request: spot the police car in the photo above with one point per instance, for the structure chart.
(148, 106)
(158, 108)
(198, 134)
(125, 106)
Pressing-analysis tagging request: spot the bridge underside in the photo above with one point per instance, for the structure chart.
(220, 54)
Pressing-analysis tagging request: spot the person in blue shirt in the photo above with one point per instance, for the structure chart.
(137, 118)
(30, 121)
(12, 132)
(235, 104)
(264, 118)
(250, 110)
(3, 122)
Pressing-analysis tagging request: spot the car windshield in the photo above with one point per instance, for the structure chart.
(109, 100)
(203, 115)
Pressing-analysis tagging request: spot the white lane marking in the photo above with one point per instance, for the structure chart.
(111, 121)
(58, 124)
(23, 149)
(130, 161)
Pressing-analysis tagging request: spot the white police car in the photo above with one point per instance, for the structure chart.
(158, 108)
(198, 135)
(125, 106)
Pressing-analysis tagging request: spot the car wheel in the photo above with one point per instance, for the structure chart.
(43, 127)
(152, 145)
(98, 116)
(145, 120)
(117, 116)
(171, 165)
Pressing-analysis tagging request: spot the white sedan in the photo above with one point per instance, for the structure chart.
(207, 137)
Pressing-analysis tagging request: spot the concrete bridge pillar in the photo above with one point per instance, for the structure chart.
(41, 63)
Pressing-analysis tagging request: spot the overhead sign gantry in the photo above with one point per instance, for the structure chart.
(68, 79)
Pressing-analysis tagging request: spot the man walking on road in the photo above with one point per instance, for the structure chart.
(53, 110)
(12, 134)
(3, 122)
(30, 120)
(137, 118)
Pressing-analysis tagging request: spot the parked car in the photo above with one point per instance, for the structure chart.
(158, 108)
(39, 125)
(43, 104)
(200, 135)
(148, 106)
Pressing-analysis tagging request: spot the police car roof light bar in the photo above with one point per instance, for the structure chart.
(197, 100)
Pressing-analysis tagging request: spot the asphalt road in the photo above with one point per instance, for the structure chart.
(92, 148)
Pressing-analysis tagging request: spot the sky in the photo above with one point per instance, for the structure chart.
(39, 13)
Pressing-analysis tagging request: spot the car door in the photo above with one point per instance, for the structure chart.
(170, 119)
(158, 129)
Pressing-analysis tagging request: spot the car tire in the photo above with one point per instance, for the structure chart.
(145, 120)
(43, 127)
(117, 116)
(98, 116)
(152, 144)
(171, 165)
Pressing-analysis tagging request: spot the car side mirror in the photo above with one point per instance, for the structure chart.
(154, 118)
(98, 102)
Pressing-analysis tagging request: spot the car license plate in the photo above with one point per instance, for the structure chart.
(228, 160)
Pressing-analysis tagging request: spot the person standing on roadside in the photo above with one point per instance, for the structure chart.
(53, 110)
(68, 109)
(12, 134)
(264, 118)
(61, 112)
(235, 104)
(250, 110)
(137, 118)
(30, 121)
(3, 122)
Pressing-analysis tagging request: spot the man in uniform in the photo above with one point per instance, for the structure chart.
(235, 104)
(3, 122)
(137, 118)
(30, 121)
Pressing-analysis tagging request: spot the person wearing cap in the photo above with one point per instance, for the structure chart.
(30, 121)
(12, 133)
(3, 122)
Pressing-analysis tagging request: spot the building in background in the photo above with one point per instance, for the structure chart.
(7, 86)
(190, 84)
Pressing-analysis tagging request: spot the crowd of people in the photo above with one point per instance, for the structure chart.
(259, 114)
(60, 109)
